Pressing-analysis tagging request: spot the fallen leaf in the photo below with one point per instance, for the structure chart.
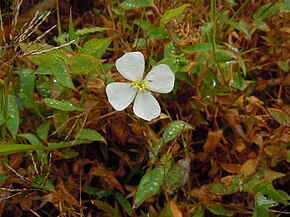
(212, 140)
(249, 167)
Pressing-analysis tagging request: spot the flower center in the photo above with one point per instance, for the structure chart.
(141, 85)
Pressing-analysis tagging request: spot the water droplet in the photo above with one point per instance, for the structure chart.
(155, 184)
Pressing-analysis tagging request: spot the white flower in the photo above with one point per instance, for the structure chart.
(120, 94)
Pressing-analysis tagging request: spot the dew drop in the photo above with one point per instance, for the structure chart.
(155, 184)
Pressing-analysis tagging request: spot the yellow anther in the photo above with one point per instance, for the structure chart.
(141, 85)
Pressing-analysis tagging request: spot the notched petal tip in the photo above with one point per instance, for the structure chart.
(120, 95)
(146, 106)
(161, 79)
(131, 66)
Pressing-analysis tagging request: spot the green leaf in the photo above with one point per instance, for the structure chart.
(267, 11)
(83, 64)
(91, 135)
(223, 56)
(218, 210)
(27, 84)
(43, 129)
(3, 178)
(226, 189)
(46, 54)
(61, 73)
(90, 30)
(261, 25)
(149, 185)
(62, 105)
(261, 211)
(97, 47)
(238, 82)
(31, 138)
(12, 122)
(169, 14)
(41, 155)
(98, 192)
(57, 145)
(152, 31)
(172, 130)
(178, 174)
(133, 4)
(14, 148)
(60, 119)
(200, 47)
(199, 212)
(71, 31)
(41, 182)
(124, 203)
(261, 200)
(67, 153)
(280, 116)
(105, 207)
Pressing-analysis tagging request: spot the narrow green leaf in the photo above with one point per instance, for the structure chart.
(57, 145)
(172, 130)
(97, 47)
(149, 185)
(133, 4)
(169, 14)
(83, 64)
(218, 210)
(67, 153)
(12, 122)
(14, 148)
(85, 31)
(71, 30)
(124, 203)
(90, 134)
(62, 105)
(27, 84)
(31, 138)
(105, 207)
(61, 73)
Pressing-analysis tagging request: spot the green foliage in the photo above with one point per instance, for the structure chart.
(132, 4)
(230, 78)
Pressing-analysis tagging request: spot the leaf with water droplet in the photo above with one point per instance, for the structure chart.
(62, 105)
(133, 4)
(149, 185)
(12, 122)
(171, 131)
(178, 174)
(84, 64)
(61, 73)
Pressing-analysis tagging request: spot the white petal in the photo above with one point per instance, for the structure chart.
(131, 66)
(160, 79)
(120, 94)
(146, 106)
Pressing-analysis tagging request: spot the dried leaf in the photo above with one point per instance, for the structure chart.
(212, 141)
(249, 167)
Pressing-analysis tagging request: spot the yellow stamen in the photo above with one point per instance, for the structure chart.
(141, 85)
